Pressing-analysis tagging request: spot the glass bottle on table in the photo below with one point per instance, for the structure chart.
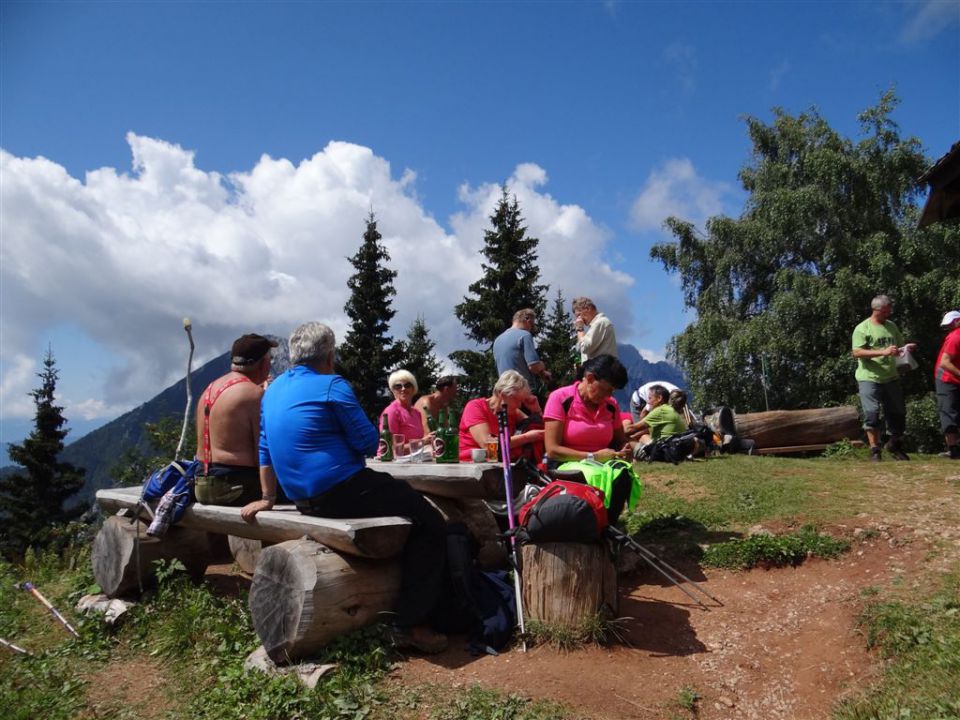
(385, 449)
(438, 436)
(451, 441)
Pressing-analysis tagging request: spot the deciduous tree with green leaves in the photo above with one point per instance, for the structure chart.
(829, 223)
(32, 502)
(418, 356)
(510, 282)
(368, 352)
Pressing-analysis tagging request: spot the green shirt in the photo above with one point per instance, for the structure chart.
(664, 421)
(870, 336)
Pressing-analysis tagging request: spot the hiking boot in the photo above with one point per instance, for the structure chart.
(875, 454)
(419, 638)
(896, 450)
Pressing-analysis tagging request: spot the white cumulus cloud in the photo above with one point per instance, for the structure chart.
(123, 256)
(929, 19)
(676, 189)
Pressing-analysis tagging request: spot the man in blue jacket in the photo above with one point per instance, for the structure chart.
(313, 441)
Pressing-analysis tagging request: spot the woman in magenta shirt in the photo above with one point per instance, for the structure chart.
(583, 420)
(478, 423)
(404, 419)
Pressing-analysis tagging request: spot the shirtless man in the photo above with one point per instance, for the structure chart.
(431, 405)
(228, 426)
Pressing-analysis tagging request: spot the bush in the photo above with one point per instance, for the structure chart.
(923, 424)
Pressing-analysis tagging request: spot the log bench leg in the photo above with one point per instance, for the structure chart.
(304, 595)
(115, 560)
(566, 583)
(245, 552)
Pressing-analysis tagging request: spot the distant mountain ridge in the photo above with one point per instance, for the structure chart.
(99, 450)
(640, 371)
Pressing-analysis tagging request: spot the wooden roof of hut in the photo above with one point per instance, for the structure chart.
(944, 180)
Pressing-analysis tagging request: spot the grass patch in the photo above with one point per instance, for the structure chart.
(598, 629)
(774, 550)
(922, 642)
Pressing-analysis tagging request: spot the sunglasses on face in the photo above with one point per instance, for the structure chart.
(402, 386)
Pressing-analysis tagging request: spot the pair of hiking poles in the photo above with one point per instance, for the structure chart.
(618, 537)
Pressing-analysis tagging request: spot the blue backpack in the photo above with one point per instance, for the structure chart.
(172, 485)
(480, 604)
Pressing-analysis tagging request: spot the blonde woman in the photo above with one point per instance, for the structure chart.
(404, 418)
(478, 423)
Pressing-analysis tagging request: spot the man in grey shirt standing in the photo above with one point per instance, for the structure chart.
(514, 348)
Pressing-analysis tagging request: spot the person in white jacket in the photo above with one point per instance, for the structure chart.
(595, 333)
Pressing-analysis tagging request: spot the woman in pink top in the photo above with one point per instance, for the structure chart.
(583, 423)
(478, 423)
(404, 419)
(583, 420)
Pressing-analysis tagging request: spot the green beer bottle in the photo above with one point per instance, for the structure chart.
(438, 438)
(385, 449)
(451, 441)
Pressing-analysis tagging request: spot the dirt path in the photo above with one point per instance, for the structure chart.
(784, 645)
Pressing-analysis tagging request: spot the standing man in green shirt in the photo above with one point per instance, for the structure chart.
(876, 344)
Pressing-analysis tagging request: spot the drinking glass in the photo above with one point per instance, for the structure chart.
(399, 445)
(493, 445)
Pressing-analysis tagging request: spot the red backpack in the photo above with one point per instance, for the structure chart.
(563, 511)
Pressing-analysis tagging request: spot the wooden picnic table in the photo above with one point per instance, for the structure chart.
(452, 480)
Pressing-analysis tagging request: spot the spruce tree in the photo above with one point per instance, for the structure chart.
(556, 344)
(368, 352)
(509, 283)
(32, 501)
(418, 356)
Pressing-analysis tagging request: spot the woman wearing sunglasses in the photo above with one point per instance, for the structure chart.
(404, 418)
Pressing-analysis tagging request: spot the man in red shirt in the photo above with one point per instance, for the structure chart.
(946, 376)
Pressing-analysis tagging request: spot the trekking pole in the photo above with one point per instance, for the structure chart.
(504, 427)
(659, 564)
(186, 411)
(15, 648)
(36, 593)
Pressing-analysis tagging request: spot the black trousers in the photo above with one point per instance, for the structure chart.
(370, 493)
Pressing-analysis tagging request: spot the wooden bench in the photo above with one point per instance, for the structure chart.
(321, 578)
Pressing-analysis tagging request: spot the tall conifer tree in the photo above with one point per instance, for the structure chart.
(510, 282)
(556, 344)
(32, 502)
(368, 351)
(418, 356)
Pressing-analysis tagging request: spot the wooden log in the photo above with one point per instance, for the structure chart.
(304, 595)
(365, 537)
(115, 558)
(567, 583)
(783, 428)
(245, 552)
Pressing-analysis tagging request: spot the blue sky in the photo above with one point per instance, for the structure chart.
(240, 145)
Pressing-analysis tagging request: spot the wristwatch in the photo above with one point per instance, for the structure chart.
(589, 457)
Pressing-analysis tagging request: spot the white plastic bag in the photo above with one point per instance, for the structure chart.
(905, 360)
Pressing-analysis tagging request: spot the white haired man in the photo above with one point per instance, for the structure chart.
(314, 439)
(876, 344)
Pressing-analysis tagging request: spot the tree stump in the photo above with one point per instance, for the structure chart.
(245, 552)
(567, 583)
(304, 595)
(115, 559)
